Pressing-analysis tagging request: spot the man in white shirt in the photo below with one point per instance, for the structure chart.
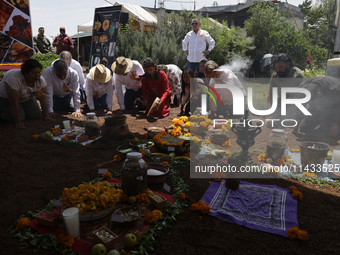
(62, 88)
(222, 76)
(127, 74)
(67, 56)
(198, 40)
(99, 88)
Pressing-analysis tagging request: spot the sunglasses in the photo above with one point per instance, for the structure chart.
(194, 23)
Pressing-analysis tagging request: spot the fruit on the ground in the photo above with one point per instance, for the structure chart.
(149, 192)
(98, 249)
(113, 252)
(132, 200)
(172, 154)
(130, 240)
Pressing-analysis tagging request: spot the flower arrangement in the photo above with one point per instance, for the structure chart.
(39, 93)
(187, 124)
(201, 206)
(158, 138)
(295, 232)
(107, 176)
(35, 137)
(295, 193)
(201, 118)
(90, 197)
(153, 216)
(203, 124)
(22, 223)
(226, 144)
(182, 196)
(66, 240)
(176, 131)
(117, 158)
(187, 135)
(142, 198)
(184, 118)
(262, 157)
(87, 144)
(294, 150)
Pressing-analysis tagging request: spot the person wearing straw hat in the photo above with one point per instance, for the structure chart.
(128, 83)
(99, 88)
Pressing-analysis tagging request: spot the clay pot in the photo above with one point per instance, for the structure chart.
(115, 127)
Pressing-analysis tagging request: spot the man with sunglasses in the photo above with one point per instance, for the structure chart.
(198, 40)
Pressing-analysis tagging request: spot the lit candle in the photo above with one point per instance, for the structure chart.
(67, 124)
(336, 157)
(72, 223)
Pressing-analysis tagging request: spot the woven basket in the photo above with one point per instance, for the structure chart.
(154, 179)
(92, 216)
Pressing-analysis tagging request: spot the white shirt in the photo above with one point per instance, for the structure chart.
(55, 86)
(227, 76)
(128, 82)
(76, 66)
(197, 44)
(92, 88)
(15, 79)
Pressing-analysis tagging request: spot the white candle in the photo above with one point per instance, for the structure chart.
(336, 157)
(72, 223)
(66, 124)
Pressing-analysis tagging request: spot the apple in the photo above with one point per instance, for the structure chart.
(132, 200)
(98, 249)
(130, 240)
(113, 252)
(149, 192)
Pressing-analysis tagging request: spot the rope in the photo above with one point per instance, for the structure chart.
(303, 39)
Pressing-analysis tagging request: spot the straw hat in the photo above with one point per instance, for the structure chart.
(99, 74)
(122, 65)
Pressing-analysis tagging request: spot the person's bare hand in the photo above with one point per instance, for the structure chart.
(77, 114)
(206, 52)
(108, 112)
(21, 124)
(187, 52)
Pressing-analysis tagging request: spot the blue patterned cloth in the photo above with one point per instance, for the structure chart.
(267, 208)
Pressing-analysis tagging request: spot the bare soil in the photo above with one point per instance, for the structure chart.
(33, 172)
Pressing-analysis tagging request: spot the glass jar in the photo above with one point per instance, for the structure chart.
(134, 174)
(92, 127)
(277, 144)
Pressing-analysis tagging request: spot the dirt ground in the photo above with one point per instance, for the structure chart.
(33, 172)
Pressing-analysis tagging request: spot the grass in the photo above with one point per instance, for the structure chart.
(260, 91)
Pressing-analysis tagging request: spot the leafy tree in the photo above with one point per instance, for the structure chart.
(45, 59)
(273, 34)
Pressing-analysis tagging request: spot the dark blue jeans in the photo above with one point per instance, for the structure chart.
(100, 103)
(63, 103)
(130, 99)
(193, 65)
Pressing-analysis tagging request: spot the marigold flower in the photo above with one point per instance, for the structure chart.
(193, 117)
(87, 144)
(184, 118)
(38, 93)
(64, 138)
(297, 195)
(302, 235)
(192, 124)
(201, 118)
(153, 149)
(187, 124)
(294, 150)
(165, 163)
(93, 138)
(203, 124)
(22, 223)
(54, 129)
(224, 129)
(228, 153)
(35, 137)
(262, 157)
(309, 175)
(196, 139)
(66, 240)
(153, 216)
(187, 134)
(117, 158)
(67, 89)
(107, 176)
(143, 153)
(269, 160)
(206, 141)
(293, 232)
(142, 198)
(293, 188)
(135, 139)
(217, 179)
(133, 77)
(226, 144)
(182, 196)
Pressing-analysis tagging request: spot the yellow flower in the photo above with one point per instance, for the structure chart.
(184, 118)
(22, 223)
(201, 118)
(269, 160)
(187, 134)
(228, 153)
(262, 157)
(203, 124)
(226, 144)
(182, 196)
(206, 141)
(117, 158)
(193, 117)
(208, 121)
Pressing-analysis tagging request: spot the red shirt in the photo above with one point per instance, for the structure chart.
(157, 88)
(66, 43)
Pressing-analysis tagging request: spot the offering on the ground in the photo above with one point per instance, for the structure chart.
(82, 138)
(129, 215)
(106, 236)
(71, 135)
(154, 172)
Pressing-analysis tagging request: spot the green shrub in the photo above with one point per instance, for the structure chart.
(45, 59)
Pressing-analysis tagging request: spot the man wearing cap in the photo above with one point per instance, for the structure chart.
(63, 42)
(222, 76)
(198, 40)
(99, 88)
(127, 73)
(62, 88)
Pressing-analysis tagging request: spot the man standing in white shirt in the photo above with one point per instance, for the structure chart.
(198, 40)
(62, 88)
(127, 73)
(99, 88)
(67, 56)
